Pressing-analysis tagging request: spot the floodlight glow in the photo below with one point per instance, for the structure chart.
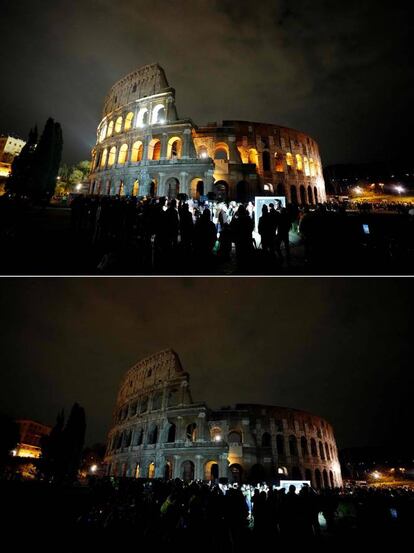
(217, 438)
(94, 468)
(78, 186)
(399, 189)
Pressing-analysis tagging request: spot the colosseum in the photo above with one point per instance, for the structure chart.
(159, 432)
(144, 148)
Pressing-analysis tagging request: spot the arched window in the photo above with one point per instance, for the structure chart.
(328, 456)
(123, 153)
(187, 469)
(289, 160)
(102, 134)
(221, 154)
(278, 162)
(234, 437)
(158, 114)
(318, 479)
(321, 451)
(216, 434)
(104, 157)
(154, 149)
(151, 470)
(144, 405)
(142, 118)
(128, 121)
(325, 479)
(174, 147)
(135, 188)
(136, 154)
(191, 432)
(171, 433)
(331, 478)
(139, 436)
(302, 194)
(118, 124)
(110, 129)
(280, 445)
(128, 437)
(254, 156)
(293, 194)
(307, 169)
(312, 168)
(293, 445)
(304, 446)
(203, 152)
(315, 194)
(157, 401)
(266, 160)
(266, 439)
(313, 448)
(310, 196)
(173, 397)
(112, 156)
(153, 435)
(299, 164)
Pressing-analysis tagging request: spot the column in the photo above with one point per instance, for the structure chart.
(223, 465)
(201, 427)
(183, 183)
(177, 466)
(186, 144)
(164, 145)
(208, 182)
(198, 469)
(234, 154)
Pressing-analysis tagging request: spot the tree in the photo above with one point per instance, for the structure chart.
(47, 158)
(21, 178)
(51, 445)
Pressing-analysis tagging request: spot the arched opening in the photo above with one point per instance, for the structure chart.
(157, 401)
(167, 471)
(136, 153)
(293, 194)
(211, 471)
(135, 188)
(280, 189)
(153, 188)
(310, 196)
(203, 152)
(257, 474)
(191, 432)
(187, 471)
(121, 189)
(312, 168)
(308, 475)
(221, 153)
(118, 124)
(241, 191)
(221, 190)
(315, 193)
(216, 434)
(174, 148)
(110, 129)
(137, 471)
(282, 470)
(171, 433)
(325, 479)
(158, 114)
(104, 157)
(234, 437)
(235, 473)
(289, 161)
(302, 195)
(142, 118)
(154, 150)
(299, 164)
(266, 439)
(151, 470)
(143, 408)
(108, 187)
(328, 456)
(266, 160)
(128, 121)
(280, 444)
(254, 156)
(173, 397)
(313, 448)
(304, 446)
(153, 435)
(279, 163)
(321, 451)
(306, 164)
(296, 473)
(123, 153)
(102, 133)
(318, 479)
(112, 156)
(139, 436)
(331, 478)
(293, 446)
(172, 187)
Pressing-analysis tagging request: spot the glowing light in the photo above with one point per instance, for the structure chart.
(204, 155)
(94, 468)
(358, 189)
(399, 189)
(376, 474)
(79, 186)
(217, 438)
(161, 121)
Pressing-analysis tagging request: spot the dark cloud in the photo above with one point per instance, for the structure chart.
(340, 71)
(340, 348)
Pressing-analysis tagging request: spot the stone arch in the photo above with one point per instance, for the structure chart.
(289, 161)
(310, 195)
(314, 451)
(172, 187)
(191, 432)
(171, 433)
(136, 152)
(143, 406)
(151, 470)
(110, 129)
(211, 471)
(234, 437)
(328, 456)
(174, 147)
(299, 163)
(154, 149)
(306, 165)
(221, 189)
(216, 434)
(253, 156)
(135, 188)
(318, 479)
(203, 152)
(104, 158)
(321, 451)
(173, 397)
(158, 114)
(266, 439)
(123, 154)
(153, 188)
(241, 191)
(302, 193)
(280, 189)
(139, 436)
(312, 168)
(197, 188)
(102, 133)
(221, 151)
(331, 478)
(157, 401)
(279, 162)
(128, 121)
(266, 160)
(282, 470)
(153, 434)
(235, 472)
(187, 470)
(293, 445)
(167, 471)
(325, 479)
(142, 117)
(315, 194)
(280, 444)
(304, 446)
(112, 156)
(118, 124)
(137, 471)
(293, 194)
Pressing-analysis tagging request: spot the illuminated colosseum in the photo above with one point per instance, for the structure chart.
(143, 148)
(159, 432)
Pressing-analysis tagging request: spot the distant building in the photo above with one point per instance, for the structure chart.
(10, 147)
(30, 435)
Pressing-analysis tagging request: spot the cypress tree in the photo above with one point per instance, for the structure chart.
(47, 160)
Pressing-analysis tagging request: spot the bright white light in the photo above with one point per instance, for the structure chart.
(358, 189)
(399, 189)
(204, 155)
(161, 121)
(79, 186)
(376, 474)
(94, 468)
(14, 452)
(217, 438)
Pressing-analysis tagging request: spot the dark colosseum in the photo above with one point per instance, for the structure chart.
(159, 432)
(144, 149)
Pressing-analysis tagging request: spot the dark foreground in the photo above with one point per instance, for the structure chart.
(57, 241)
(140, 515)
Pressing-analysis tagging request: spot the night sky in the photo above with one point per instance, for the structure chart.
(340, 348)
(340, 71)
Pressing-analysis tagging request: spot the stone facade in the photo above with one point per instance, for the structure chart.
(159, 432)
(144, 148)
